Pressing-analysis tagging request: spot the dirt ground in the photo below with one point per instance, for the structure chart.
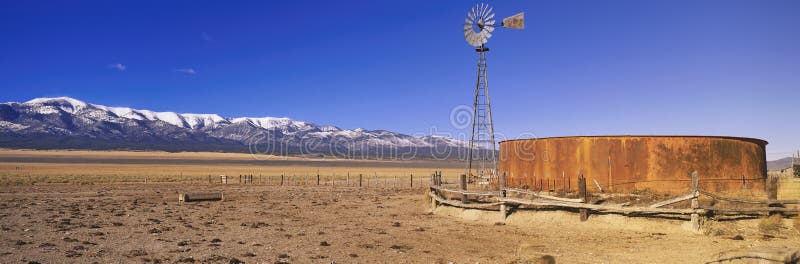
(138, 222)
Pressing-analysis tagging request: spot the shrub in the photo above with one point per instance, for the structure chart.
(771, 224)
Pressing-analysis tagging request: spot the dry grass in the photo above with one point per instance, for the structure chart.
(771, 224)
(796, 223)
(20, 167)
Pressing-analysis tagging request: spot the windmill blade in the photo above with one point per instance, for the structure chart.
(471, 15)
(490, 22)
(486, 34)
(516, 21)
(489, 28)
(473, 40)
(490, 16)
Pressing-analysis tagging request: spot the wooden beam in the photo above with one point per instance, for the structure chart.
(750, 209)
(461, 205)
(605, 208)
(543, 195)
(184, 197)
(674, 200)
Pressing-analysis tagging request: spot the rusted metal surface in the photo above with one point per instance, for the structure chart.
(627, 163)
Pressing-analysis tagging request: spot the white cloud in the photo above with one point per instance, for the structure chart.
(186, 71)
(117, 66)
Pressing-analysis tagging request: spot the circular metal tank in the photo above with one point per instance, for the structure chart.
(627, 163)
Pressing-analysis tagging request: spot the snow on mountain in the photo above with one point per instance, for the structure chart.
(66, 104)
(11, 126)
(64, 116)
(204, 120)
(282, 123)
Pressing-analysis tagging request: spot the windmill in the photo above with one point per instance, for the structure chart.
(478, 28)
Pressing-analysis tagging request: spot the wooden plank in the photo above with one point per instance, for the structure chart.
(750, 209)
(543, 195)
(674, 200)
(598, 185)
(461, 205)
(758, 255)
(193, 197)
(604, 208)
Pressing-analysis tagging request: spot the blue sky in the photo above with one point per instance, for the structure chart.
(579, 68)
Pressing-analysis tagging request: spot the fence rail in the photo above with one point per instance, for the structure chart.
(499, 200)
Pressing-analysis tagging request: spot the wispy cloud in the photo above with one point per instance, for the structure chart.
(187, 71)
(117, 66)
(206, 36)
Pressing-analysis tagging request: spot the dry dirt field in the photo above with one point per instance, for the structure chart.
(124, 223)
(127, 221)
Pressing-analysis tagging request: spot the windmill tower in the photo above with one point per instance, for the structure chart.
(482, 152)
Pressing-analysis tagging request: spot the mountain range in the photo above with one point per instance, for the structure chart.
(780, 164)
(68, 123)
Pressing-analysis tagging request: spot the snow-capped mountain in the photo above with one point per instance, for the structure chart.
(65, 122)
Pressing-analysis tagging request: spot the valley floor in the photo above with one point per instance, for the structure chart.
(138, 222)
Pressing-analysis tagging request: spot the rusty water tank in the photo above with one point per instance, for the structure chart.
(628, 163)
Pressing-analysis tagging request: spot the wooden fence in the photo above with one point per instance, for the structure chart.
(499, 200)
(333, 180)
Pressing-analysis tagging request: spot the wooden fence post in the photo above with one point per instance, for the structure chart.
(503, 211)
(463, 183)
(317, 178)
(347, 183)
(695, 219)
(582, 192)
(412, 180)
(503, 181)
(281, 179)
(503, 206)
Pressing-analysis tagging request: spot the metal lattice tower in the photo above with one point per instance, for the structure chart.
(481, 155)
